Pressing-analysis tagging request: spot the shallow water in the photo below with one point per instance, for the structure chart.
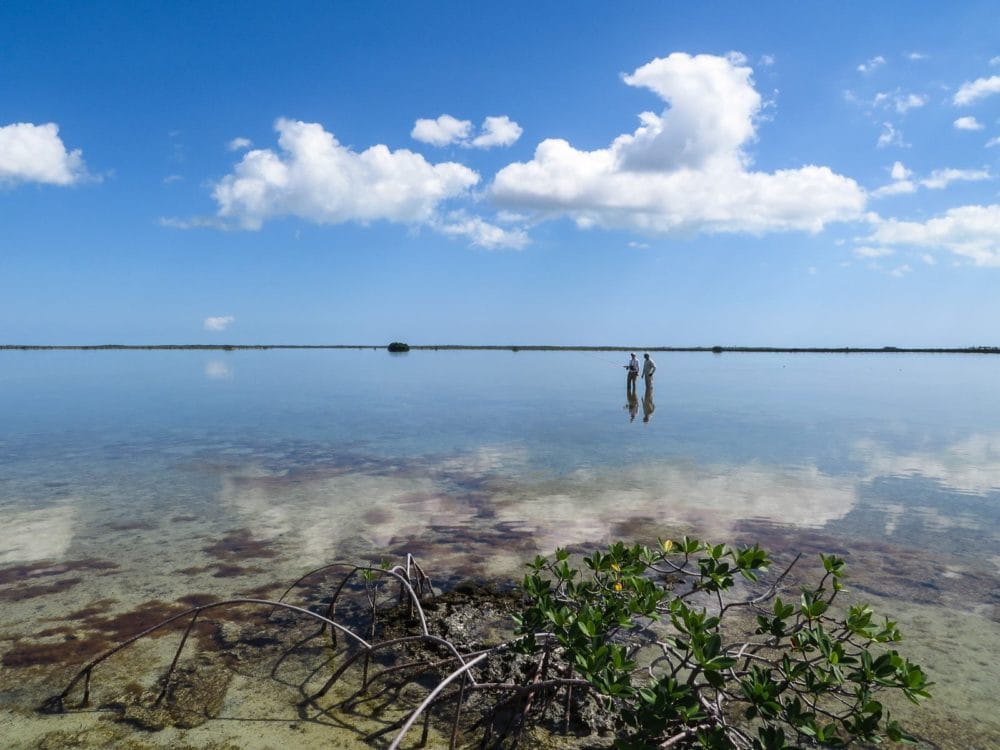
(137, 477)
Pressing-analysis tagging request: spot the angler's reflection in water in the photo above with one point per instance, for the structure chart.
(648, 407)
(632, 405)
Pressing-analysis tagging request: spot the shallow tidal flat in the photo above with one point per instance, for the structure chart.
(196, 480)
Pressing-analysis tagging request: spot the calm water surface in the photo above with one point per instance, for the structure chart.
(130, 477)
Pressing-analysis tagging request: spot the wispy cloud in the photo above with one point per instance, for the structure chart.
(900, 271)
(866, 251)
(906, 102)
(480, 232)
(970, 91)
(896, 187)
(936, 180)
(967, 123)
(194, 222)
(876, 62)
(942, 178)
(890, 136)
(971, 232)
(898, 100)
(239, 144)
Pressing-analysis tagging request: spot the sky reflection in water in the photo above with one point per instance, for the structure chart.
(288, 442)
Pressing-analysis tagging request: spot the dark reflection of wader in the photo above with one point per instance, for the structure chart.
(632, 405)
(648, 407)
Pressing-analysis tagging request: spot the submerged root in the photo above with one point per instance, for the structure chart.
(379, 655)
(194, 694)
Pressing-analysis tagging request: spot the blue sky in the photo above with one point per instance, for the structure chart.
(564, 173)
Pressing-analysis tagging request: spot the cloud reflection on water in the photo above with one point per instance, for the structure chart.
(218, 370)
(41, 534)
(319, 513)
(589, 506)
(483, 491)
(970, 466)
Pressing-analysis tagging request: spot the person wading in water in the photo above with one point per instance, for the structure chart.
(631, 374)
(648, 368)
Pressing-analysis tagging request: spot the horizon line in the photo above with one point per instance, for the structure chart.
(715, 349)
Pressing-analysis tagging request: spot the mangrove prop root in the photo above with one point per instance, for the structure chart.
(437, 657)
(419, 661)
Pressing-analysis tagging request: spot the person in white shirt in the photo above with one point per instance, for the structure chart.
(648, 368)
(632, 373)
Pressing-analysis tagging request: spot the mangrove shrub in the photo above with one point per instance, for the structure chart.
(660, 637)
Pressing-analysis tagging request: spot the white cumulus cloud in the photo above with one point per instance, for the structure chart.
(36, 153)
(971, 232)
(967, 123)
(218, 323)
(314, 177)
(497, 131)
(993, 142)
(442, 131)
(445, 130)
(970, 91)
(684, 169)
